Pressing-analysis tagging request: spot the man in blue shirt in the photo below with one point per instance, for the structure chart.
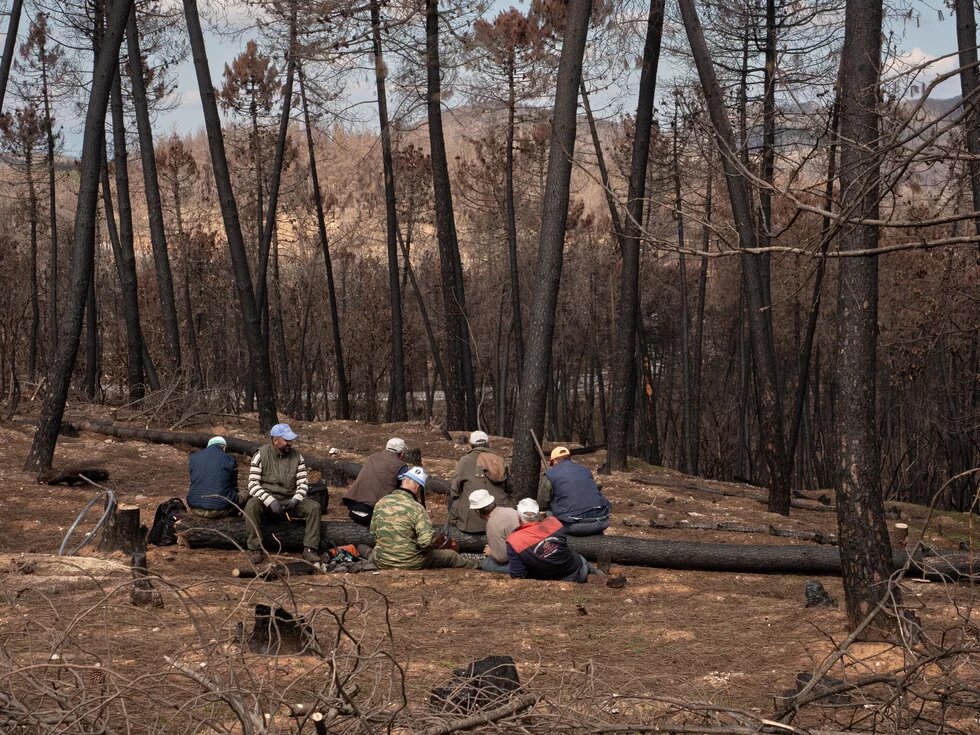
(213, 492)
(570, 492)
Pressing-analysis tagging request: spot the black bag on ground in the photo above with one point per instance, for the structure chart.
(162, 533)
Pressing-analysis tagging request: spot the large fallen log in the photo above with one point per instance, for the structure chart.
(690, 486)
(335, 472)
(229, 533)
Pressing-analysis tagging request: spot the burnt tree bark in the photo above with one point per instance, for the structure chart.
(83, 245)
(864, 543)
(460, 390)
(258, 348)
(537, 365)
(761, 338)
(9, 46)
(966, 42)
(624, 371)
(399, 409)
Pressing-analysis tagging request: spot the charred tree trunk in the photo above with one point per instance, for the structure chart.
(267, 235)
(460, 390)
(258, 345)
(624, 381)
(91, 335)
(83, 244)
(126, 270)
(52, 214)
(35, 295)
(966, 41)
(510, 212)
(687, 393)
(864, 543)
(151, 188)
(399, 410)
(699, 319)
(343, 400)
(534, 383)
(9, 46)
(761, 338)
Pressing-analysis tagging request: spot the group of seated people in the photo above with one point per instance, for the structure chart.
(388, 497)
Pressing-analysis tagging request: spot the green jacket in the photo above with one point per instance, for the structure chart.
(468, 476)
(402, 531)
(273, 476)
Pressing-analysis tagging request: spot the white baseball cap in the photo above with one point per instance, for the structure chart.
(480, 499)
(478, 438)
(217, 440)
(396, 445)
(528, 509)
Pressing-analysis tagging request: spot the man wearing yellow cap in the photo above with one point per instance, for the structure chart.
(569, 492)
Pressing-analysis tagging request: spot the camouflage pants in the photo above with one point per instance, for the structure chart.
(447, 559)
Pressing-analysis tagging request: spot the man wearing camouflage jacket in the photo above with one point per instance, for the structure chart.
(403, 532)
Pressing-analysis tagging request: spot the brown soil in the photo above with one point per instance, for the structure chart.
(738, 639)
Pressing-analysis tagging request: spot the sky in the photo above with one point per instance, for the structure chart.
(929, 34)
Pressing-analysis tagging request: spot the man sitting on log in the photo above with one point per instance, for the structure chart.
(377, 478)
(500, 522)
(570, 492)
(478, 469)
(213, 492)
(403, 532)
(277, 486)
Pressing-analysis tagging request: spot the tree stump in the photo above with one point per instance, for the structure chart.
(277, 632)
(123, 532)
(142, 593)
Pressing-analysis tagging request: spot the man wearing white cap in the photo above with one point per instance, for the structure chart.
(403, 533)
(479, 469)
(277, 485)
(539, 549)
(377, 478)
(213, 492)
(501, 522)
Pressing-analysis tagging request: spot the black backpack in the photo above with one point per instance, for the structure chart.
(163, 533)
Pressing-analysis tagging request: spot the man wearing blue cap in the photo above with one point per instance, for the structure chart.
(277, 485)
(403, 533)
(213, 492)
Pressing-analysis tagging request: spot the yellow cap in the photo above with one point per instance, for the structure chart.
(559, 452)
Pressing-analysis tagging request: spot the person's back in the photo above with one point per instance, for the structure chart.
(377, 478)
(480, 468)
(213, 480)
(402, 531)
(540, 551)
(569, 491)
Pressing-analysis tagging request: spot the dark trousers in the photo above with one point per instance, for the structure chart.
(360, 513)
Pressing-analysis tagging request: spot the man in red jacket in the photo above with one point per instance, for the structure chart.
(538, 549)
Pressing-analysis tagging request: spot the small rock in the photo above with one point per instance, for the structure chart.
(668, 500)
(661, 516)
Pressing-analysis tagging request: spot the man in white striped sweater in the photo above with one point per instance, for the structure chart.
(277, 485)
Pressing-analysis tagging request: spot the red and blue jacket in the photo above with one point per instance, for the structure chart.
(540, 551)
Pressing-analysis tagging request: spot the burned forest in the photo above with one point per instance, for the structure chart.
(299, 299)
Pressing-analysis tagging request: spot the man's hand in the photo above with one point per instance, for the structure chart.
(486, 550)
(292, 505)
(275, 507)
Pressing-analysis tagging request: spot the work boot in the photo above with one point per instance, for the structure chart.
(604, 562)
(256, 556)
(311, 555)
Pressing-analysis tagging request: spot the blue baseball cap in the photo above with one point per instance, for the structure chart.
(415, 473)
(283, 432)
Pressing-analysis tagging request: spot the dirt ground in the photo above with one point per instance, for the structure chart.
(732, 639)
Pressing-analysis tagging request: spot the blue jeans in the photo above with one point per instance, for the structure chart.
(582, 575)
(586, 527)
(489, 564)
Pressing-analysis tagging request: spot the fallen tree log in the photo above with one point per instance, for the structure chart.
(229, 533)
(335, 472)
